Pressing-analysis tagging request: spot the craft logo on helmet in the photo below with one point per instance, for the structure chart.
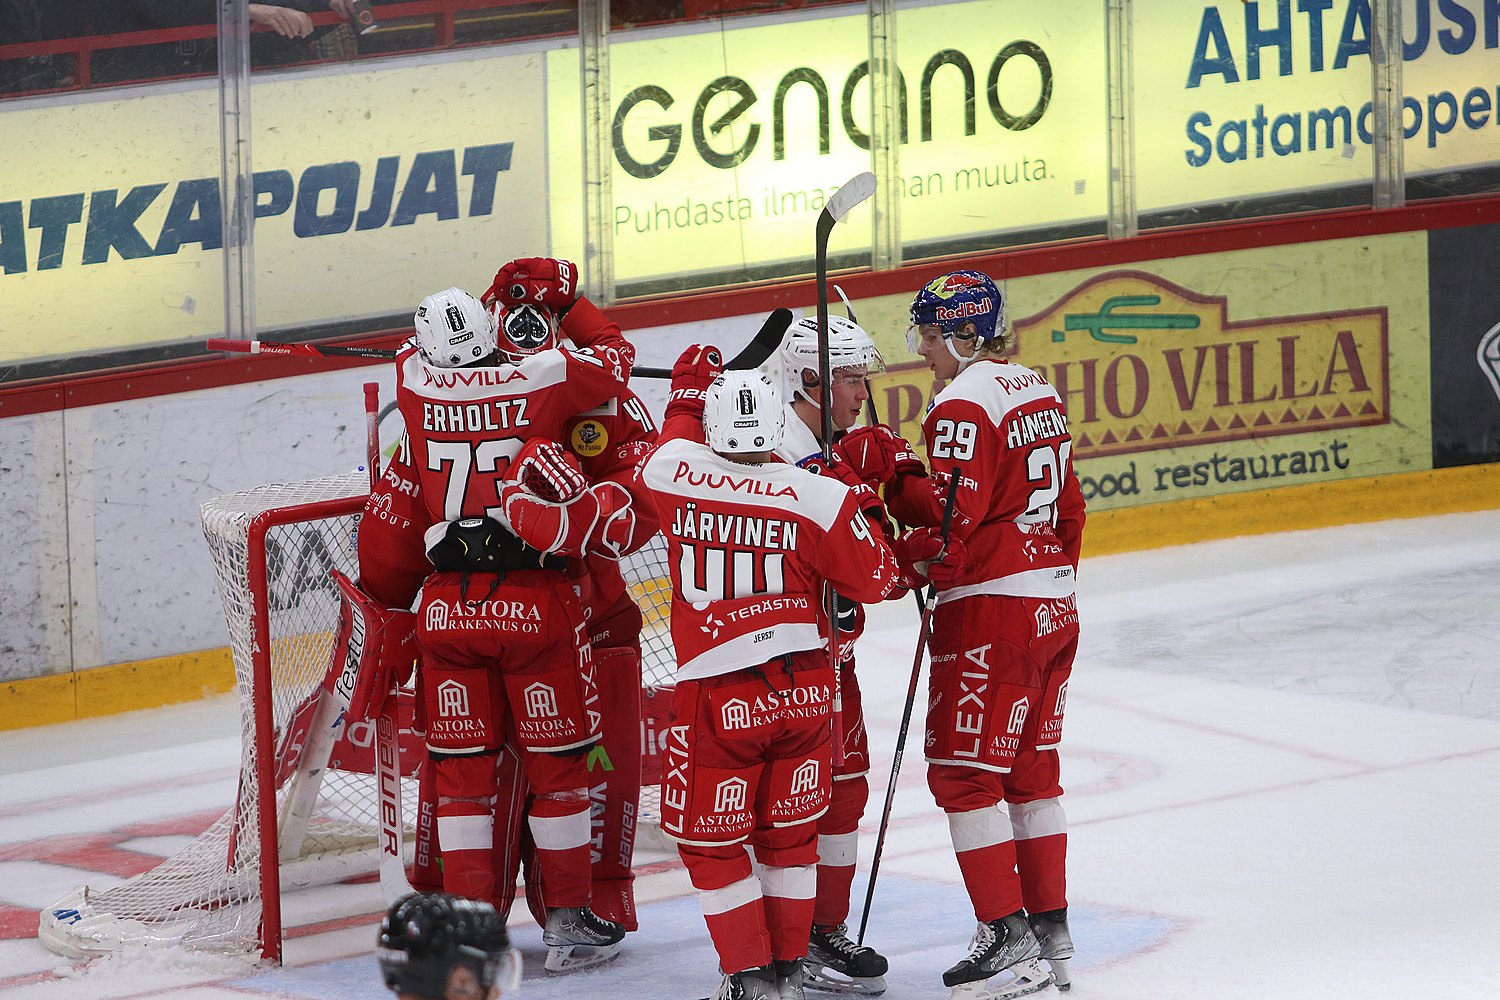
(1143, 364)
(805, 778)
(729, 796)
(541, 701)
(453, 699)
(1018, 710)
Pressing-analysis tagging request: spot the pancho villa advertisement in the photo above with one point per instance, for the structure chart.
(1221, 373)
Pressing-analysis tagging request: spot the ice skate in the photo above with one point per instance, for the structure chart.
(789, 981)
(1051, 930)
(836, 964)
(577, 939)
(751, 984)
(1002, 963)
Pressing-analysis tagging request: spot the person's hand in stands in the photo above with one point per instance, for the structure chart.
(285, 21)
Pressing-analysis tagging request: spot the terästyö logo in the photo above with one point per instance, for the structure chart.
(1142, 364)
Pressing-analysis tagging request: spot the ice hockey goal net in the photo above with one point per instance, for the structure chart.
(292, 824)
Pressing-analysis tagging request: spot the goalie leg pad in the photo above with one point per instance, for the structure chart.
(614, 776)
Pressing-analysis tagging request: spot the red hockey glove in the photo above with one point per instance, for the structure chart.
(560, 528)
(867, 500)
(694, 372)
(537, 281)
(923, 556)
(547, 471)
(878, 454)
(616, 532)
(376, 647)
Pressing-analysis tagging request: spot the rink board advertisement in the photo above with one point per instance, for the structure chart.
(363, 206)
(1220, 373)
(1465, 346)
(1243, 99)
(727, 140)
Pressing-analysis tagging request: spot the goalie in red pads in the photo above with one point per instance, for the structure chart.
(748, 756)
(502, 633)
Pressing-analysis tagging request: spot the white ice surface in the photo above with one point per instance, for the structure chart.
(1283, 770)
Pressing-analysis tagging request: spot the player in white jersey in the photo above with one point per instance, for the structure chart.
(1005, 630)
(835, 962)
(751, 541)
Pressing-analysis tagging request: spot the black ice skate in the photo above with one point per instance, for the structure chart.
(752, 984)
(1051, 930)
(576, 939)
(789, 979)
(1002, 963)
(836, 964)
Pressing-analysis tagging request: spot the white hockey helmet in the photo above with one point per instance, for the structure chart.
(849, 346)
(743, 413)
(454, 329)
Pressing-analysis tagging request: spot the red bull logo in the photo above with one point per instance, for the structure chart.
(951, 284)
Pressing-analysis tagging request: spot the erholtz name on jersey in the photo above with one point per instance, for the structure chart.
(1028, 427)
(491, 415)
(734, 529)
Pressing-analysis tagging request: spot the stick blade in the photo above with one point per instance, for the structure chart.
(767, 341)
(855, 190)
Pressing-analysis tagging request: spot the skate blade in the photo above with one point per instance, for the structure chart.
(573, 957)
(1060, 977)
(1022, 979)
(820, 977)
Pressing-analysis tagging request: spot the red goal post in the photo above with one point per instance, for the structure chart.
(305, 811)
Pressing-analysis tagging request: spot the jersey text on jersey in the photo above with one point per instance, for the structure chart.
(734, 529)
(736, 484)
(1028, 427)
(491, 415)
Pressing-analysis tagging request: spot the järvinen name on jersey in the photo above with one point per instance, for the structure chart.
(734, 529)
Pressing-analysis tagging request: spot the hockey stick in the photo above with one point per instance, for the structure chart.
(393, 881)
(765, 343)
(923, 632)
(855, 190)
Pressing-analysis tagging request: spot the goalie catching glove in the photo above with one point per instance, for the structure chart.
(380, 646)
(924, 556)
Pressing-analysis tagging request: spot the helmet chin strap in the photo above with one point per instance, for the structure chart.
(963, 362)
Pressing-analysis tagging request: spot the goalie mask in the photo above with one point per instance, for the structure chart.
(956, 299)
(525, 330)
(427, 941)
(743, 413)
(454, 329)
(851, 354)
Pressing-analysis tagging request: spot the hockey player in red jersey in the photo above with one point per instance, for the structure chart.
(748, 756)
(503, 640)
(834, 961)
(1005, 630)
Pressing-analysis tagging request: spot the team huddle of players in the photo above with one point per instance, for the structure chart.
(529, 469)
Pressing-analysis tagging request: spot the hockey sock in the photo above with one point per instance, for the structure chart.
(987, 858)
(1041, 853)
(559, 825)
(788, 894)
(837, 853)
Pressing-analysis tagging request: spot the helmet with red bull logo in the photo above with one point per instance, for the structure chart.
(954, 300)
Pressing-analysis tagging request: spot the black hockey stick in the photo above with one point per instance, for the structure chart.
(923, 632)
(755, 353)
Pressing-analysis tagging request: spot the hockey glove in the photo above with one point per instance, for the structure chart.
(616, 532)
(694, 372)
(377, 646)
(865, 499)
(878, 455)
(538, 281)
(923, 557)
(559, 528)
(546, 470)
